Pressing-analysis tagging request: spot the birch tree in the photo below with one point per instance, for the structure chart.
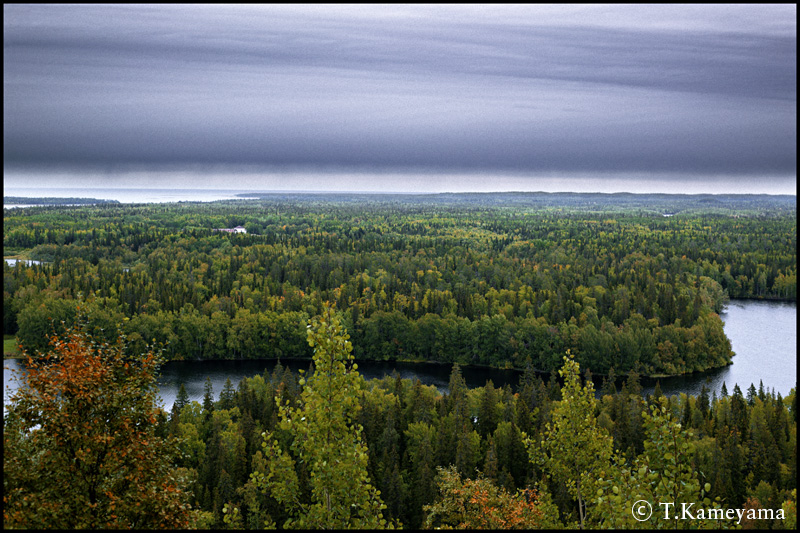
(326, 439)
(573, 448)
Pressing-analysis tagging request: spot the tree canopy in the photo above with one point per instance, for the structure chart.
(326, 438)
(80, 446)
(498, 280)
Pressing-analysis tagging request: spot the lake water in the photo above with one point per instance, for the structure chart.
(13, 262)
(139, 196)
(127, 196)
(763, 336)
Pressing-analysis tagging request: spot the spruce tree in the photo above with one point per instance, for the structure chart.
(208, 397)
(226, 396)
(181, 400)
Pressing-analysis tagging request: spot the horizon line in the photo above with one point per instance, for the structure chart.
(363, 192)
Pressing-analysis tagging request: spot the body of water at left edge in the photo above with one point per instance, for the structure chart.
(127, 196)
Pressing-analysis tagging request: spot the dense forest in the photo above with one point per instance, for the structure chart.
(573, 285)
(325, 449)
(625, 282)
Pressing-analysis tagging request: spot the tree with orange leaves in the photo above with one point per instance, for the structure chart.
(479, 504)
(80, 448)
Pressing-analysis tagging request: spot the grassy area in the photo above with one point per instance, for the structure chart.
(10, 348)
(15, 253)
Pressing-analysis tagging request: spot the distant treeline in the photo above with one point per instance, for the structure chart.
(17, 200)
(665, 204)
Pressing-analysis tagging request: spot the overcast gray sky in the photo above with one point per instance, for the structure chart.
(419, 97)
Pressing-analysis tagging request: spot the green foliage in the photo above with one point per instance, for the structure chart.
(10, 346)
(652, 491)
(421, 469)
(408, 428)
(442, 278)
(326, 440)
(790, 511)
(573, 449)
(510, 280)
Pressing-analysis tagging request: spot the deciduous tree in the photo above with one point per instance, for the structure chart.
(651, 491)
(326, 438)
(479, 504)
(574, 449)
(80, 448)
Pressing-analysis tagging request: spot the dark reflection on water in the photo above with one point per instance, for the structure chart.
(763, 335)
(193, 374)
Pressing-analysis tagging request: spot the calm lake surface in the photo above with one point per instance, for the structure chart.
(763, 336)
(126, 196)
(13, 262)
(138, 196)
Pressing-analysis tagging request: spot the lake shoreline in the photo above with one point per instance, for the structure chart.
(762, 333)
(479, 367)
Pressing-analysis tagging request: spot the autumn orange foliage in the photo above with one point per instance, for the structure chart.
(479, 504)
(80, 446)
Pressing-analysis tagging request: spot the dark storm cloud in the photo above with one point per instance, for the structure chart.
(517, 88)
